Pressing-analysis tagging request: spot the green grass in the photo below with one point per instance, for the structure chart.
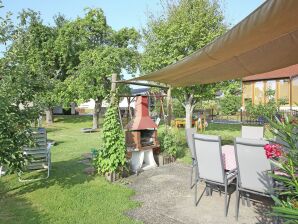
(227, 132)
(69, 195)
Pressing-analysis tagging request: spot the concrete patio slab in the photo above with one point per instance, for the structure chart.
(166, 198)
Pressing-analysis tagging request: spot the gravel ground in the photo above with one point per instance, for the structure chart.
(166, 198)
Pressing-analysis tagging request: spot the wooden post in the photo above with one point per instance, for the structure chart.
(113, 88)
(169, 106)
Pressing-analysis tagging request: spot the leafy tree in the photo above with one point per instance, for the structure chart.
(18, 85)
(90, 51)
(182, 29)
(33, 42)
(178, 109)
(230, 104)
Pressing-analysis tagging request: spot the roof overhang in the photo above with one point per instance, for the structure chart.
(265, 40)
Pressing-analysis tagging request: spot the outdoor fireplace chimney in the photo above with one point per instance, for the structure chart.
(141, 120)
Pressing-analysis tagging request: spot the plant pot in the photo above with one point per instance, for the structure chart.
(112, 176)
(162, 159)
(167, 159)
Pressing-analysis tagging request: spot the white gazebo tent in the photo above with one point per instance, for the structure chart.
(265, 40)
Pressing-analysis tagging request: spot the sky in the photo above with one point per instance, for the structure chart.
(119, 13)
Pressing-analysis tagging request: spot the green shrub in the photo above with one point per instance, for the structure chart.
(111, 155)
(171, 142)
(269, 109)
(230, 104)
(287, 203)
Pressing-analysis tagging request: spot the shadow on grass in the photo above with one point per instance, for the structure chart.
(18, 210)
(73, 118)
(65, 174)
(53, 129)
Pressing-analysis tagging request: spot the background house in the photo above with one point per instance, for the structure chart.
(283, 81)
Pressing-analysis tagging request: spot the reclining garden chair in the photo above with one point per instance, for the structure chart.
(39, 156)
(253, 168)
(210, 164)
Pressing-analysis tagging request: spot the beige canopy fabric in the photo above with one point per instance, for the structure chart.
(265, 40)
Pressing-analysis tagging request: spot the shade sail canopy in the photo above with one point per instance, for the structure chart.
(265, 40)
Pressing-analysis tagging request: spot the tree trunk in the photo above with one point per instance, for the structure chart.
(96, 111)
(169, 107)
(49, 116)
(73, 108)
(188, 115)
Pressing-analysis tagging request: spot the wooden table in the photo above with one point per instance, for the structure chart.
(181, 122)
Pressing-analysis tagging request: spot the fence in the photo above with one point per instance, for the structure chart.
(243, 118)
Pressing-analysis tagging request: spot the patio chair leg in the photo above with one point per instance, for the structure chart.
(247, 200)
(226, 192)
(237, 204)
(207, 190)
(243, 200)
(191, 186)
(196, 192)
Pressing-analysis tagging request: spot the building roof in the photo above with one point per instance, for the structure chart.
(286, 72)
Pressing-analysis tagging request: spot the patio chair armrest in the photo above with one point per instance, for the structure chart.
(232, 171)
(231, 174)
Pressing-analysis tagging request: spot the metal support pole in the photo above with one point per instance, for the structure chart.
(113, 88)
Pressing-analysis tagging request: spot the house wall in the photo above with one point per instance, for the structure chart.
(285, 88)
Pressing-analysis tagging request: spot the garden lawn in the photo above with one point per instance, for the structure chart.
(69, 195)
(227, 132)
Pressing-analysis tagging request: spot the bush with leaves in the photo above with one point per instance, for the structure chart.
(170, 141)
(286, 133)
(111, 155)
(267, 110)
(230, 104)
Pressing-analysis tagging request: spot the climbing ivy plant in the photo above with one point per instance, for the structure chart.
(111, 155)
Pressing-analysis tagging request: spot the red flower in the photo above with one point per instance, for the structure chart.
(268, 147)
(278, 153)
(272, 151)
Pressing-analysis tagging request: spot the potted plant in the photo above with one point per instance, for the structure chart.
(284, 157)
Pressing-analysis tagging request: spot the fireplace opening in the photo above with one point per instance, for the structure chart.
(147, 138)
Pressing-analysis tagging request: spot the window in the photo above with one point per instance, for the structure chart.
(247, 90)
(259, 92)
(295, 92)
(284, 91)
(270, 90)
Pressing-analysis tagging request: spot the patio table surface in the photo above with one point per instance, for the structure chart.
(229, 159)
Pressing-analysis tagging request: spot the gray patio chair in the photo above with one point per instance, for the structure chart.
(210, 164)
(253, 168)
(189, 140)
(252, 132)
(39, 156)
